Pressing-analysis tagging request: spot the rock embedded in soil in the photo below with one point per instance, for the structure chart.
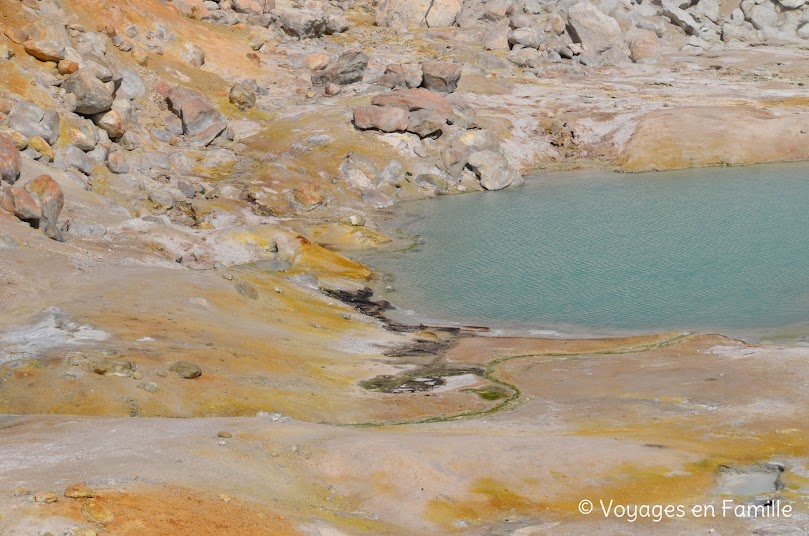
(149, 387)
(110, 366)
(242, 97)
(95, 512)
(45, 497)
(186, 369)
(79, 490)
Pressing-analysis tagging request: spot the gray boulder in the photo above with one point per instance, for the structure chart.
(763, 17)
(78, 159)
(426, 123)
(406, 13)
(349, 68)
(117, 163)
(593, 29)
(306, 24)
(197, 113)
(30, 120)
(131, 84)
(527, 37)
(441, 76)
(492, 169)
(92, 95)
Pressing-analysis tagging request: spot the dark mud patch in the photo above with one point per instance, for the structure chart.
(417, 380)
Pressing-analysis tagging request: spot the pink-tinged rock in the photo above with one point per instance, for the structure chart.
(316, 62)
(10, 160)
(644, 46)
(415, 99)
(307, 196)
(384, 118)
(193, 9)
(196, 112)
(116, 121)
(247, 6)
(207, 136)
(51, 198)
(195, 55)
(21, 204)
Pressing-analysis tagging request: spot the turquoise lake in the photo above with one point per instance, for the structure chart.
(722, 249)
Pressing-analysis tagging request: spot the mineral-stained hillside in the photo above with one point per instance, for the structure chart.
(187, 347)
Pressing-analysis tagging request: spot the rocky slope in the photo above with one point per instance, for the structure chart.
(182, 184)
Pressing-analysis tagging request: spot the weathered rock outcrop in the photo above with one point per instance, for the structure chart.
(433, 13)
(711, 136)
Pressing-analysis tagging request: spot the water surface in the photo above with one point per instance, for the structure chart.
(714, 249)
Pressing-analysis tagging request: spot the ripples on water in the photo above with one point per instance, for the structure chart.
(723, 248)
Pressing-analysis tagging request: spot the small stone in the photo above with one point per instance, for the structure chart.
(195, 55)
(97, 513)
(225, 435)
(140, 56)
(137, 376)
(186, 369)
(67, 67)
(79, 490)
(161, 199)
(45, 497)
(332, 89)
(315, 62)
(117, 163)
(149, 387)
(110, 366)
(242, 97)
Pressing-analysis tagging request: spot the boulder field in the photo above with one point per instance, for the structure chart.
(188, 347)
